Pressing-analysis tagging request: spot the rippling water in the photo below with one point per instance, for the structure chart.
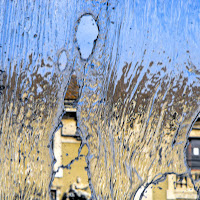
(139, 91)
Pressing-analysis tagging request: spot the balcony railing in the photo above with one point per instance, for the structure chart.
(184, 182)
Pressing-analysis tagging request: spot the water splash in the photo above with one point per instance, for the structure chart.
(139, 91)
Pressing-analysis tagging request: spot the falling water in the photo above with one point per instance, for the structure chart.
(139, 84)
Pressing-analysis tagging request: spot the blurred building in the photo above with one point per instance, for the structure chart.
(66, 146)
(177, 187)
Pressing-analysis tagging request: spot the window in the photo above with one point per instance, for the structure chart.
(196, 151)
(53, 194)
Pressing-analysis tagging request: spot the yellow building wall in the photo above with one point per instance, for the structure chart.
(160, 190)
(175, 191)
(70, 152)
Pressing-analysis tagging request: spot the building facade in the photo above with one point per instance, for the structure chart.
(177, 187)
(66, 146)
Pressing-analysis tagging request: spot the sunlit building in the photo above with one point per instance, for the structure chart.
(177, 187)
(66, 146)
